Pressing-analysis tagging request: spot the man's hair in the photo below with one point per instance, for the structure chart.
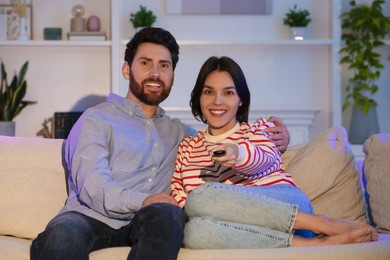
(230, 66)
(153, 35)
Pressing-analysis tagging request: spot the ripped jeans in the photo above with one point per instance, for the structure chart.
(231, 216)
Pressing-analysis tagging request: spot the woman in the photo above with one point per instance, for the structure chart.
(230, 177)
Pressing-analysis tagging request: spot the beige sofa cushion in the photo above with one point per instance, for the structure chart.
(325, 170)
(377, 173)
(32, 193)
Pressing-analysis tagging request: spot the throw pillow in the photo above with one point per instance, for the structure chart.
(325, 170)
(377, 173)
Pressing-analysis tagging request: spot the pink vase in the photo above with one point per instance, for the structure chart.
(93, 23)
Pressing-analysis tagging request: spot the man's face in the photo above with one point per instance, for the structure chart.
(151, 74)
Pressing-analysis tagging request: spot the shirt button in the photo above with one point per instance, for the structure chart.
(154, 169)
(155, 145)
(150, 180)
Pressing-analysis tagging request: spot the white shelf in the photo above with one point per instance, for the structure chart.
(259, 42)
(283, 42)
(54, 43)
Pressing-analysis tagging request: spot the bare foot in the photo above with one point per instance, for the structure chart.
(332, 226)
(355, 236)
(334, 231)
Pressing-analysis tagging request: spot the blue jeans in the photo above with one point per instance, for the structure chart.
(232, 216)
(156, 232)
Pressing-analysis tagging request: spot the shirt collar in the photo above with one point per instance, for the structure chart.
(218, 138)
(131, 107)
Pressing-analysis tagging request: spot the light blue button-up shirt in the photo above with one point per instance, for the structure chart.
(117, 157)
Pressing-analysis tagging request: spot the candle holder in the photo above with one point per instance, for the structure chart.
(77, 23)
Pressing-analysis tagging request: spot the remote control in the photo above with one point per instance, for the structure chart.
(219, 153)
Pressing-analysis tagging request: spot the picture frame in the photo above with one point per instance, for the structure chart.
(219, 7)
(12, 21)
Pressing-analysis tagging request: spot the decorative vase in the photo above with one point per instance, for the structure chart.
(7, 128)
(363, 125)
(298, 33)
(23, 29)
(93, 23)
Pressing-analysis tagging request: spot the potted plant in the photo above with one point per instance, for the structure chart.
(11, 98)
(364, 28)
(142, 18)
(297, 20)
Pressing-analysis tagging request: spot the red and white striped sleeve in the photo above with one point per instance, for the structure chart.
(259, 156)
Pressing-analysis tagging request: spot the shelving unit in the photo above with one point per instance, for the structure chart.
(307, 42)
(55, 43)
(63, 75)
(256, 51)
(267, 46)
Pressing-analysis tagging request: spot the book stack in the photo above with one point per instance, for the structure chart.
(87, 36)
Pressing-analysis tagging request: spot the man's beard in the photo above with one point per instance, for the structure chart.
(151, 98)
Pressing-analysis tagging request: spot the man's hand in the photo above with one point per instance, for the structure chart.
(279, 134)
(159, 198)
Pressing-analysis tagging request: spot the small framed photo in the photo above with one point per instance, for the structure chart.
(13, 21)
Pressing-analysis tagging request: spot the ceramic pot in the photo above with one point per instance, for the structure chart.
(298, 33)
(93, 23)
(7, 128)
(363, 125)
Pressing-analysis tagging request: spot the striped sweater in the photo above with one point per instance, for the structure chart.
(259, 162)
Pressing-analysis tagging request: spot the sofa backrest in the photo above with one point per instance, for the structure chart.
(32, 184)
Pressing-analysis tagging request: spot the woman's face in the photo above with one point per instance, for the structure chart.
(219, 102)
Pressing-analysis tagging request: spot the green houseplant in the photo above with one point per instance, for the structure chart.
(364, 28)
(142, 18)
(297, 17)
(297, 20)
(11, 95)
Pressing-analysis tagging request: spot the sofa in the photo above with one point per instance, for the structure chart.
(33, 189)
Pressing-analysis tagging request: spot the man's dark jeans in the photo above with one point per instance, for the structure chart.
(156, 232)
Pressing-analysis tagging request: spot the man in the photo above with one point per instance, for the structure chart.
(120, 155)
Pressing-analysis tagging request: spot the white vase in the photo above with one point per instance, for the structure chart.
(23, 30)
(7, 128)
(298, 33)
